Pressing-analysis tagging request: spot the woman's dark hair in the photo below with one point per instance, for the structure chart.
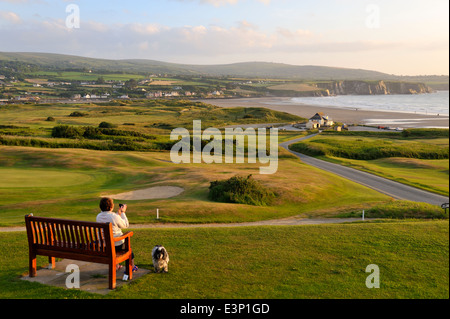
(106, 204)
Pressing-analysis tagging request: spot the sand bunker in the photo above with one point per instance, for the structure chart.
(149, 193)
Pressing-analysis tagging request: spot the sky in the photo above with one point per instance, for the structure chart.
(402, 37)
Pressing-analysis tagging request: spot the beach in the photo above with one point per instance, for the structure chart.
(344, 115)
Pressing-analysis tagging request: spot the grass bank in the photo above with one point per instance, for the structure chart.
(316, 261)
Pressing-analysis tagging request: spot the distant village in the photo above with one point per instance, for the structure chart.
(95, 90)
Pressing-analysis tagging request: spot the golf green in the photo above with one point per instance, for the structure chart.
(30, 177)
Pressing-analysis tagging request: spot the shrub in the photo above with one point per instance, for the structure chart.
(106, 125)
(66, 131)
(91, 132)
(77, 114)
(240, 190)
(50, 119)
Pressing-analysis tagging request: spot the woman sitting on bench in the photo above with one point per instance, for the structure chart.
(118, 221)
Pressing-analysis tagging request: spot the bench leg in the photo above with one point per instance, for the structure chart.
(51, 261)
(32, 265)
(130, 268)
(112, 276)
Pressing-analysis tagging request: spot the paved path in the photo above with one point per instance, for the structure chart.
(289, 221)
(383, 185)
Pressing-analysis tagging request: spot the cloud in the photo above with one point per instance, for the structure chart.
(219, 3)
(23, 1)
(155, 41)
(295, 33)
(10, 17)
(192, 44)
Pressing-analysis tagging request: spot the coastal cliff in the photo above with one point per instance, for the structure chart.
(370, 88)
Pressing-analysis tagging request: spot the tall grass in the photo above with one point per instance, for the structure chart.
(401, 210)
(369, 149)
(411, 133)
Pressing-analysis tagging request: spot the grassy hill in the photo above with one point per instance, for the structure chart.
(49, 61)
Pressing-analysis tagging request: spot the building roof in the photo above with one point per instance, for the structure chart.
(320, 116)
(316, 116)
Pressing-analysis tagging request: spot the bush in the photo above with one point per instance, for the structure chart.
(50, 119)
(66, 131)
(77, 114)
(240, 190)
(91, 132)
(106, 125)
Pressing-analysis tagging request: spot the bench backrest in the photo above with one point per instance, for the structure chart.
(70, 236)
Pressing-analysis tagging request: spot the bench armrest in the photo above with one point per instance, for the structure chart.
(128, 234)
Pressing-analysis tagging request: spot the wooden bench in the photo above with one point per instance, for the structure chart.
(78, 240)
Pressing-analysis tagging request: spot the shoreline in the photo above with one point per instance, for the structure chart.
(348, 116)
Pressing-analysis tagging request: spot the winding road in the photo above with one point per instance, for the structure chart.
(380, 184)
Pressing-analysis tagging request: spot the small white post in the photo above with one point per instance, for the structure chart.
(363, 215)
(157, 213)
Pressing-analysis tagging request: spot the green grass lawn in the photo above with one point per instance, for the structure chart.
(430, 175)
(294, 262)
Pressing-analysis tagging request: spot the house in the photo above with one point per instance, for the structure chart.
(319, 120)
(150, 95)
(312, 125)
(27, 98)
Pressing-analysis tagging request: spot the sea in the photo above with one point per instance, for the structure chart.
(426, 104)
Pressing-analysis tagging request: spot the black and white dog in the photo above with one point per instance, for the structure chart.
(160, 259)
